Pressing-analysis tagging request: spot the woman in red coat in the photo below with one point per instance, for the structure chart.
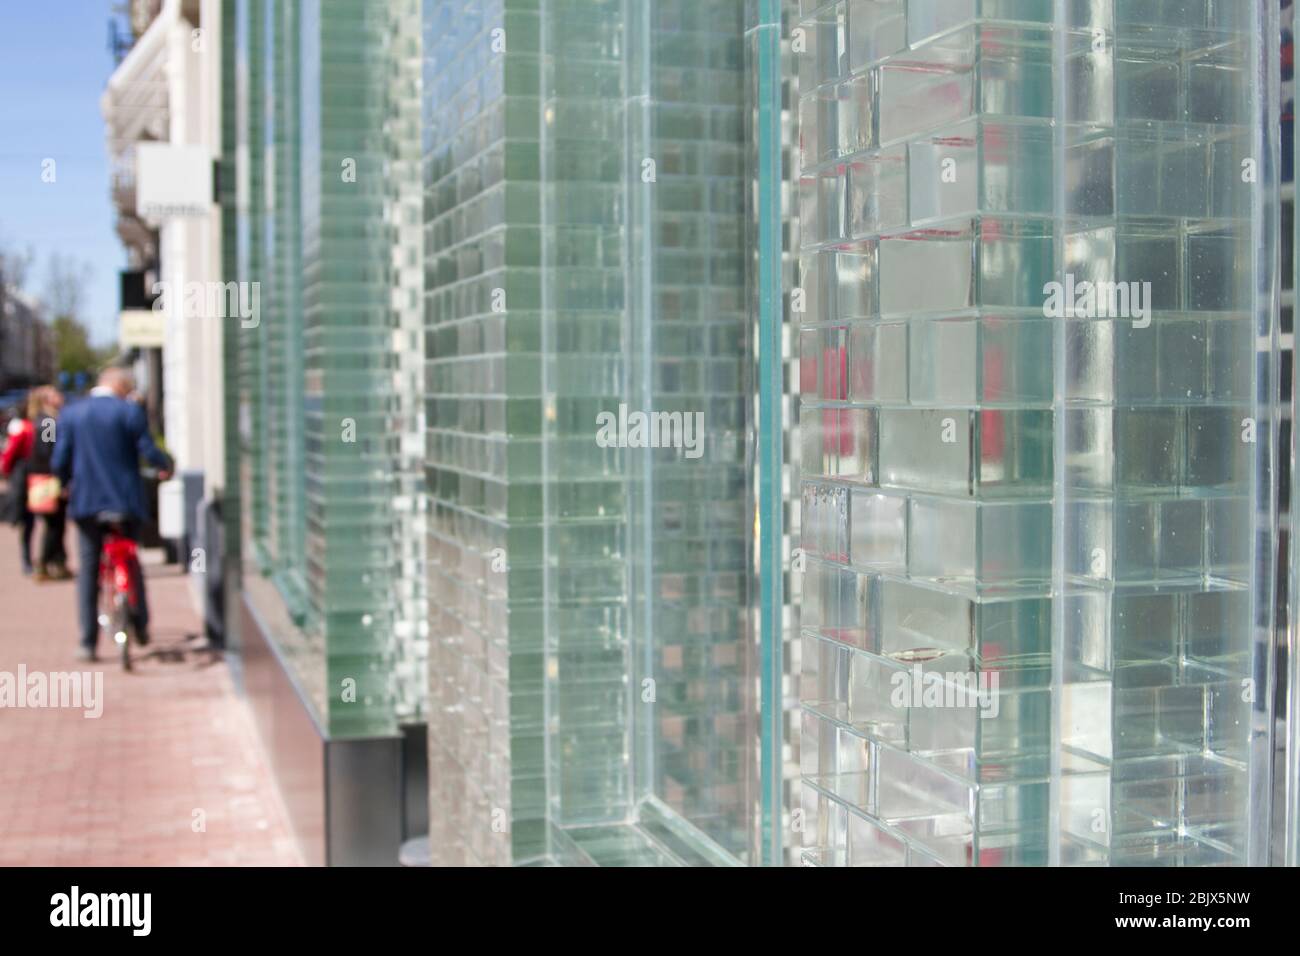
(27, 453)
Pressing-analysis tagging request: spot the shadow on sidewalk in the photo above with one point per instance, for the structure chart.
(164, 649)
(170, 647)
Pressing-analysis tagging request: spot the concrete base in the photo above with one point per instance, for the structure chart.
(350, 802)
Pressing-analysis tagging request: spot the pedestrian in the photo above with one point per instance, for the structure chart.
(45, 494)
(34, 491)
(13, 465)
(101, 442)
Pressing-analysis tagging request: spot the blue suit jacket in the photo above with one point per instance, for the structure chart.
(99, 442)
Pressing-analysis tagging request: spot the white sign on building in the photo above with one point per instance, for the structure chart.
(142, 328)
(172, 181)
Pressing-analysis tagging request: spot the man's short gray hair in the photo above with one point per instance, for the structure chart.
(118, 379)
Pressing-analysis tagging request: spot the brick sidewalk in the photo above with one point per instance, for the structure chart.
(173, 739)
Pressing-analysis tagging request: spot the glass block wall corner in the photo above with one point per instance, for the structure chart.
(1061, 521)
(584, 214)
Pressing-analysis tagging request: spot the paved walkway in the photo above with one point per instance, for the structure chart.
(170, 774)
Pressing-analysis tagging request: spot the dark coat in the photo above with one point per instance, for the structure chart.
(101, 440)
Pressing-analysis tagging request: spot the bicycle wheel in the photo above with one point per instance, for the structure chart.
(107, 612)
(122, 628)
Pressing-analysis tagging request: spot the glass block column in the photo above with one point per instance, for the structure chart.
(651, 705)
(586, 253)
(250, 174)
(348, 360)
(405, 217)
(328, 232)
(590, 656)
(230, 351)
(1033, 580)
(696, 361)
(1287, 849)
(1167, 437)
(772, 241)
(282, 294)
(269, 412)
(483, 413)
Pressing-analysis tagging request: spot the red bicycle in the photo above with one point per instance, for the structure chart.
(119, 580)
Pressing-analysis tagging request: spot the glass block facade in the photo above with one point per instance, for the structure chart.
(824, 431)
(590, 646)
(405, 215)
(233, 105)
(1169, 443)
(591, 242)
(250, 174)
(690, 519)
(1000, 487)
(328, 410)
(1286, 812)
(485, 713)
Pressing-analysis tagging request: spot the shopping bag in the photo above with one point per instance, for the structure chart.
(43, 494)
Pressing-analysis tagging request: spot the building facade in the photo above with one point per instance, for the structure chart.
(162, 111)
(27, 353)
(710, 433)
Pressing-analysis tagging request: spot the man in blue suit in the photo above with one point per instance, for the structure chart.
(99, 442)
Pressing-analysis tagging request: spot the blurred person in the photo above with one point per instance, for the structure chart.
(102, 440)
(12, 416)
(53, 564)
(27, 461)
(14, 461)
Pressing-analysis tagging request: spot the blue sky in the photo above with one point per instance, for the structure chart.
(54, 62)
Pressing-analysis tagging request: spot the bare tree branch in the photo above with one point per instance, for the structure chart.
(65, 287)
